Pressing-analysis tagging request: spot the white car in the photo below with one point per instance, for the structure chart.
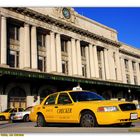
(23, 115)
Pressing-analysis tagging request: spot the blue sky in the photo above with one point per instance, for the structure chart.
(125, 20)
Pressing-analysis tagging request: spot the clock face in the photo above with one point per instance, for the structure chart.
(66, 13)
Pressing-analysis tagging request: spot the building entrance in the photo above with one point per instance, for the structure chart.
(17, 97)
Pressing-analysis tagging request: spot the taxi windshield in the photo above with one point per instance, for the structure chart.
(85, 96)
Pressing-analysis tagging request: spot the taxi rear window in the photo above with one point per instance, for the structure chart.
(85, 96)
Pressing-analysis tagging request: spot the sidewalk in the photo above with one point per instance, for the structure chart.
(4, 122)
(136, 129)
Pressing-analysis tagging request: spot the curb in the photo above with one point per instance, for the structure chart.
(4, 122)
(134, 129)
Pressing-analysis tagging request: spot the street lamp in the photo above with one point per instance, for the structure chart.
(129, 93)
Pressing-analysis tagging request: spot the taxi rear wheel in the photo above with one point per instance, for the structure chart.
(2, 118)
(88, 119)
(41, 121)
(26, 118)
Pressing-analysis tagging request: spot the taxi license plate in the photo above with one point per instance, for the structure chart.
(133, 116)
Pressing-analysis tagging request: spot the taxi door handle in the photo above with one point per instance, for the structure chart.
(56, 106)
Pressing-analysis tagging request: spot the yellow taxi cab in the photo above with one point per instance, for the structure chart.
(5, 115)
(84, 107)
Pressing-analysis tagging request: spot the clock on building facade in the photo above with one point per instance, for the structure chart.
(66, 13)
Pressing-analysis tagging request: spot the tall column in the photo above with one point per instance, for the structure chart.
(117, 57)
(79, 62)
(103, 65)
(74, 58)
(21, 55)
(87, 61)
(107, 72)
(131, 72)
(27, 60)
(3, 53)
(58, 53)
(112, 65)
(33, 48)
(69, 58)
(48, 54)
(95, 61)
(123, 70)
(92, 70)
(138, 73)
(53, 52)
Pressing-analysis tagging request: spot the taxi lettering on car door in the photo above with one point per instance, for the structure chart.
(64, 108)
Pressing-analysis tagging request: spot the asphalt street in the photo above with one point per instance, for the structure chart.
(30, 127)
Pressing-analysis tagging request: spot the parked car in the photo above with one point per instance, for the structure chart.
(5, 115)
(21, 115)
(84, 107)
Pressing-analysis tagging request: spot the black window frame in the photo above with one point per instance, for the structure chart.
(69, 101)
(53, 103)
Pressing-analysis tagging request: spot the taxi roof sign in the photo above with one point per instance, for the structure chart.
(77, 88)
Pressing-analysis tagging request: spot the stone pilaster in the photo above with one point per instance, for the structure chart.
(112, 65)
(3, 53)
(92, 69)
(138, 73)
(118, 64)
(103, 65)
(79, 63)
(95, 61)
(123, 70)
(33, 48)
(48, 54)
(53, 52)
(131, 71)
(58, 54)
(74, 57)
(21, 52)
(27, 61)
(107, 72)
(69, 58)
(87, 61)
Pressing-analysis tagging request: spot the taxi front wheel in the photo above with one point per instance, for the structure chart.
(41, 121)
(88, 119)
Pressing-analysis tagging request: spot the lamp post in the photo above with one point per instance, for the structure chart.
(129, 94)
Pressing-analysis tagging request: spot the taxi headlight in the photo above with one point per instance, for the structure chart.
(138, 106)
(107, 109)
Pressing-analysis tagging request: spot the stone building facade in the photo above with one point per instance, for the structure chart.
(43, 50)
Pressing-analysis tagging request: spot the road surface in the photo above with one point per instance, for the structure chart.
(30, 127)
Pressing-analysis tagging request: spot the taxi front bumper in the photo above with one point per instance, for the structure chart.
(18, 117)
(106, 118)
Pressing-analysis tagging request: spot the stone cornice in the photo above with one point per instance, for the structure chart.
(127, 52)
(61, 24)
